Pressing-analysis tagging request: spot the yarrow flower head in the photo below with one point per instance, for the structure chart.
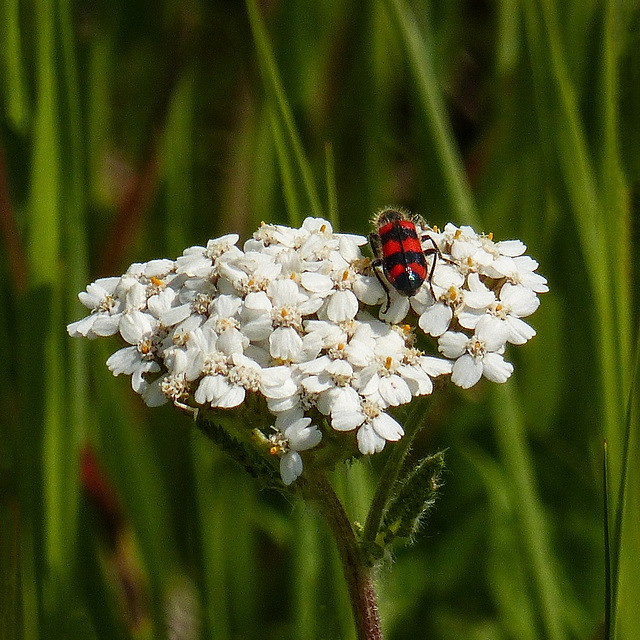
(296, 320)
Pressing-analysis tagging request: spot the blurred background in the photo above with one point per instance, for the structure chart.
(131, 130)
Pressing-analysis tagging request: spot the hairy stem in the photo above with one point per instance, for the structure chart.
(359, 577)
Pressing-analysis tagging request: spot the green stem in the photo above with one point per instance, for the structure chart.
(358, 576)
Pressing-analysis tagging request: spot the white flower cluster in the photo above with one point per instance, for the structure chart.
(289, 317)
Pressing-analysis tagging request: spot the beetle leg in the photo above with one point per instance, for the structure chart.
(376, 249)
(435, 252)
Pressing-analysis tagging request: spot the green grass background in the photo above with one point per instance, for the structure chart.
(130, 130)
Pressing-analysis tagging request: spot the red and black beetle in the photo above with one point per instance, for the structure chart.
(397, 248)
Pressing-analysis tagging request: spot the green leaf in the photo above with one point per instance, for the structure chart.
(413, 497)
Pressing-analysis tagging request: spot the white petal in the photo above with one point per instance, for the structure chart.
(225, 306)
(161, 302)
(317, 384)
(173, 316)
(496, 368)
(124, 360)
(97, 291)
(106, 325)
(317, 225)
(287, 418)
(138, 381)
(176, 360)
(534, 281)
(134, 325)
(315, 366)
(210, 389)
(290, 466)
(342, 306)
(369, 290)
(466, 371)
(397, 311)
(285, 344)
(452, 344)
(310, 306)
(231, 341)
(493, 332)
(83, 328)
(316, 282)
(468, 318)
(436, 319)
(520, 300)
(511, 248)
(369, 442)
(258, 329)
(447, 276)
(394, 390)
(232, 397)
(367, 380)
(435, 366)
(158, 267)
(479, 299)
(349, 246)
(152, 394)
(278, 405)
(357, 239)
(359, 352)
(256, 302)
(417, 379)
(277, 383)
(388, 428)
(346, 416)
(301, 436)
(284, 292)
(519, 331)
(135, 294)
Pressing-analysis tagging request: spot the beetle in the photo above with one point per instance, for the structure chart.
(398, 251)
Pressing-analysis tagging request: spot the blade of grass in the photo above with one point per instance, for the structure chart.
(307, 573)
(44, 231)
(332, 190)
(43, 251)
(282, 109)
(508, 41)
(214, 556)
(29, 595)
(625, 547)
(427, 85)
(294, 213)
(608, 551)
(239, 534)
(615, 199)
(516, 458)
(507, 576)
(15, 83)
(264, 173)
(99, 112)
(178, 165)
(75, 244)
(545, 43)
(131, 461)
